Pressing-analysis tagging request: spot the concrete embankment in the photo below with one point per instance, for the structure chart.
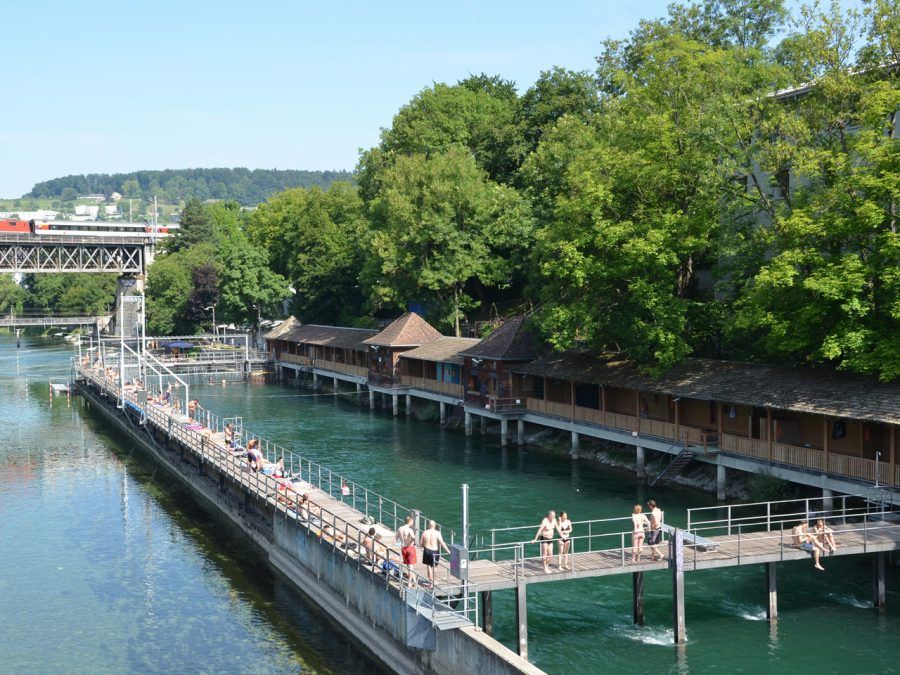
(369, 609)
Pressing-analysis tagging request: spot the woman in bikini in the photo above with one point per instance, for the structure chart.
(545, 534)
(640, 525)
(564, 527)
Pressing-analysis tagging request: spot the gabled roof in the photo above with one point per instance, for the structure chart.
(512, 341)
(284, 327)
(329, 336)
(410, 330)
(820, 391)
(443, 350)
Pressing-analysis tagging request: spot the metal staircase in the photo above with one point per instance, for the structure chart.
(681, 460)
(455, 419)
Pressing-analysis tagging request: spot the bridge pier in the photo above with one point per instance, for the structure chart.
(878, 582)
(640, 462)
(522, 619)
(395, 405)
(468, 423)
(487, 612)
(772, 592)
(443, 408)
(504, 429)
(520, 432)
(720, 482)
(128, 311)
(637, 604)
(371, 400)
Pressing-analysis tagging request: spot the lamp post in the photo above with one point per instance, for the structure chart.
(215, 328)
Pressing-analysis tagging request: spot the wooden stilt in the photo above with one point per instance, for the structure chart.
(772, 586)
(637, 585)
(878, 582)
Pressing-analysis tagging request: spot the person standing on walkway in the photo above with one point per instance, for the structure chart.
(655, 536)
(432, 542)
(545, 535)
(406, 535)
(564, 527)
(639, 525)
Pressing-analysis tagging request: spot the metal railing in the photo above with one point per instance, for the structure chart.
(447, 595)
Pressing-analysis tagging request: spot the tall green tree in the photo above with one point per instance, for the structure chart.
(12, 295)
(438, 223)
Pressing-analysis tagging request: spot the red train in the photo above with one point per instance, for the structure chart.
(20, 226)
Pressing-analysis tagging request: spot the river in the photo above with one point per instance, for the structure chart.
(107, 566)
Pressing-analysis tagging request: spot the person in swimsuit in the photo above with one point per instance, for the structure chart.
(545, 534)
(229, 435)
(406, 535)
(432, 542)
(655, 536)
(564, 527)
(825, 535)
(806, 542)
(640, 524)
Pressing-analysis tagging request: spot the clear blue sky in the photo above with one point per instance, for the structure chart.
(97, 86)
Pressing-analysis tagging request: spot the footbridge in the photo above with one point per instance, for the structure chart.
(315, 524)
(12, 321)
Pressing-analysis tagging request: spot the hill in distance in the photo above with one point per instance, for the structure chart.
(249, 187)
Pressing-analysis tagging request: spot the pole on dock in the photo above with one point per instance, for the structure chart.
(772, 587)
(637, 585)
(878, 582)
(487, 612)
(676, 561)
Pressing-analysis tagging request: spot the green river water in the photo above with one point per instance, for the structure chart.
(106, 566)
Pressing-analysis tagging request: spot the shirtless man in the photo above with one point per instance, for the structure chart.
(825, 535)
(806, 542)
(545, 533)
(407, 536)
(655, 537)
(432, 542)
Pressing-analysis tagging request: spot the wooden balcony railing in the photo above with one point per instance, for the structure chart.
(295, 358)
(338, 367)
(448, 388)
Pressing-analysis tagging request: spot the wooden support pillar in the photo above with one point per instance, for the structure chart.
(676, 561)
(769, 433)
(487, 612)
(772, 592)
(677, 422)
(504, 432)
(522, 619)
(371, 400)
(720, 482)
(520, 432)
(483, 425)
(893, 450)
(443, 408)
(408, 405)
(572, 395)
(878, 582)
(468, 423)
(637, 586)
(637, 409)
(639, 461)
(575, 443)
(315, 381)
(719, 423)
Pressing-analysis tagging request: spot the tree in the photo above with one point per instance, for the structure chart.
(204, 293)
(196, 227)
(169, 284)
(69, 194)
(438, 223)
(557, 92)
(12, 295)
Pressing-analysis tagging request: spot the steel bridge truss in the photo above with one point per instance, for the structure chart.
(35, 257)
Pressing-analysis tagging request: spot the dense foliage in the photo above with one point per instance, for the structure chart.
(245, 186)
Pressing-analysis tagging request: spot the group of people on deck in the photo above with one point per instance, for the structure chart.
(816, 542)
(547, 533)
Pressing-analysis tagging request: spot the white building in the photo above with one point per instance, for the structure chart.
(85, 211)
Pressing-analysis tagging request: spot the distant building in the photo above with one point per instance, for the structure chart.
(43, 214)
(94, 197)
(85, 211)
(115, 196)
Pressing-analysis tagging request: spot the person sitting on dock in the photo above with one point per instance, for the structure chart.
(564, 527)
(229, 435)
(655, 536)
(806, 542)
(825, 535)
(368, 545)
(545, 534)
(406, 535)
(640, 525)
(432, 542)
(254, 458)
(193, 404)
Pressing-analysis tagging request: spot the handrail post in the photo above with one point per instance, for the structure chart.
(768, 516)
(622, 548)
(729, 520)
(493, 544)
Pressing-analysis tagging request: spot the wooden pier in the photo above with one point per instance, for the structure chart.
(339, 513)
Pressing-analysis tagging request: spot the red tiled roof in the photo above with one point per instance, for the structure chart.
(410, 330)
(329, 336)
(512, 341)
